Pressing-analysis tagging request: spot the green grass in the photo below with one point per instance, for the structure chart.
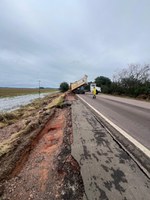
(11, 92)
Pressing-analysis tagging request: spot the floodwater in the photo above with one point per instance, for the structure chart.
(12, 103)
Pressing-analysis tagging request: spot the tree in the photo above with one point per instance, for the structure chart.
(104, 83)
(64, 86)
(135, 72)
(133, 81)
(102, 80)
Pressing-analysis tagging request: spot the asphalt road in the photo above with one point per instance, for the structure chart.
(132, 116)
(108, 172)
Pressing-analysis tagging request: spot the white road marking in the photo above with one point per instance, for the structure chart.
(125, 134)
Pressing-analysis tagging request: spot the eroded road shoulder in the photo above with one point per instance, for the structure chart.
(108, 172)
(40, 165)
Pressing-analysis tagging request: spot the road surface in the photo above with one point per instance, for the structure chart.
(133, 116)
(107, 171)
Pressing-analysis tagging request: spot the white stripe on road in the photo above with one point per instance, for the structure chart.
(125, 134)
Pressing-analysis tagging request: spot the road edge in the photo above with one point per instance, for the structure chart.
(142, 158)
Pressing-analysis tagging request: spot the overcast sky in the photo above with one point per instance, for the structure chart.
(61, 40)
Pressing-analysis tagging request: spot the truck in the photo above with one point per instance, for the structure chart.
(98, 89)
(77, 86)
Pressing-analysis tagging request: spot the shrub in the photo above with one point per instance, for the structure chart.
(64, 86)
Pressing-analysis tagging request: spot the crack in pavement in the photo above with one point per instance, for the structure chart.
(107, 170)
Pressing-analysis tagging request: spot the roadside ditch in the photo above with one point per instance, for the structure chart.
(36, 161)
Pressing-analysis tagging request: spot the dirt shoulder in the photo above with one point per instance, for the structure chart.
(36, 161)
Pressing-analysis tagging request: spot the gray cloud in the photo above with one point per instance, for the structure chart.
(55, 41)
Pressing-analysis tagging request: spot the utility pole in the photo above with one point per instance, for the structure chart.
(39, 88)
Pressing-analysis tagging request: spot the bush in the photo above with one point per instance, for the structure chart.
(64, 86)
(133, 81)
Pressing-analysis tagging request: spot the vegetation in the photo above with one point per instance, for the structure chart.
(133, 81)
(48, 102)
(64, 86)
(56, 101)
(10, 92)
(104, 83)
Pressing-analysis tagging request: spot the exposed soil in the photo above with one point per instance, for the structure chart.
(39, 165)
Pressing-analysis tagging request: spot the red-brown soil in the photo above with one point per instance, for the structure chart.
(47, 170)
(33, 179)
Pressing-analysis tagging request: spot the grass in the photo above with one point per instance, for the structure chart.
(7, 144)
(56, 101)
(11, 92)
(7, 118)
(49, 101)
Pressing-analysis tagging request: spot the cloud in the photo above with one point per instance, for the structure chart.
(55, 41)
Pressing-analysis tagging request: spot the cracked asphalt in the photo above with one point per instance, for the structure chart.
(107, 171)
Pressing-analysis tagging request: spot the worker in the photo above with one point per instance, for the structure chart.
(94, 93)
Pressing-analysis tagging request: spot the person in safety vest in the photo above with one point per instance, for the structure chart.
(94, 93)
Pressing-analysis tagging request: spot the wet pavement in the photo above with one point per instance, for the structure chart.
(107, 170)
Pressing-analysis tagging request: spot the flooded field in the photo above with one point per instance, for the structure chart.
(12, 103)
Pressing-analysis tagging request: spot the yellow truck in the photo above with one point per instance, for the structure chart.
(77, 84)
